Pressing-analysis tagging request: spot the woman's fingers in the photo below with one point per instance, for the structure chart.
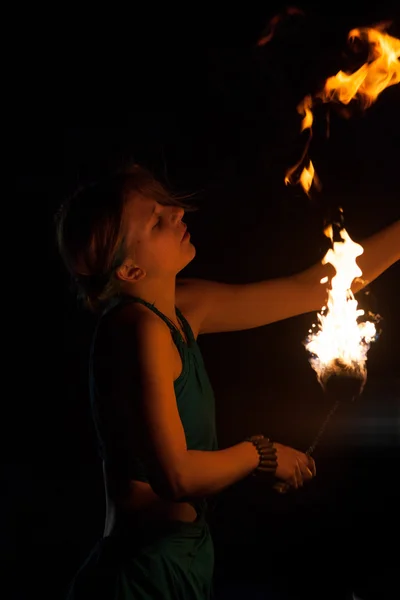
(305, 471)
(296, 477)
(311, 465)
(307, 465)
(299, 475)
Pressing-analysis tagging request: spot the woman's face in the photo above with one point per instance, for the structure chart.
(155, 237)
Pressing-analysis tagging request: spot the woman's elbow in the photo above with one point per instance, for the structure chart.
(170, 487)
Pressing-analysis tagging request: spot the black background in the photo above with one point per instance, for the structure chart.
(190, 95)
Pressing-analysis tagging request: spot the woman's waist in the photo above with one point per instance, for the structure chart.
(140, 507)
(133, 536)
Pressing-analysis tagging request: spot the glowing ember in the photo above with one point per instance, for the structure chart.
(381, 70)
(340, 343)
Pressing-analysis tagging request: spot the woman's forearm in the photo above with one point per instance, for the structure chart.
(381, 251)
(209, 472)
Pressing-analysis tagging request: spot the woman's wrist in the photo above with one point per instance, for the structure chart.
(253, 454)
(266, 452)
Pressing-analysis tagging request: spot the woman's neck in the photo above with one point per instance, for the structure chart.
(162, 295)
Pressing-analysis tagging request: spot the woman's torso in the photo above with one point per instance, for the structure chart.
(133, 503)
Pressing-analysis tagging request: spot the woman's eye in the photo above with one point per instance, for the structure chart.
(158, 222)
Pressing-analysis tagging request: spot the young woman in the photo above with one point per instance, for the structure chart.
(124, 242)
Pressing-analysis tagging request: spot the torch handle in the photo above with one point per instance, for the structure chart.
(281, 486)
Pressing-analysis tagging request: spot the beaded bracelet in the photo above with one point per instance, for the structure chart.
(267, 454)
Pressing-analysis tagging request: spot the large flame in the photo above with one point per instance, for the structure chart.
(381, 70)
(340, 341)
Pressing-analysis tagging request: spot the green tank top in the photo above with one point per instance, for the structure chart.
(194, 397)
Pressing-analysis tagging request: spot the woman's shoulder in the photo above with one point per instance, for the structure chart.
(132, 320)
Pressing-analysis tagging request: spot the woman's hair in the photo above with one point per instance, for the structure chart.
(89, 230)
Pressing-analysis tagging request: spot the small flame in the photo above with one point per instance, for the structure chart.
(340, 341)
(307, 176)
(305, 108)
(381, 70)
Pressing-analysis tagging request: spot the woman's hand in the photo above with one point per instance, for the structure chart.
(294, 467)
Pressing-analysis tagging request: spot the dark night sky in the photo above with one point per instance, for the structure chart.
(212, 114)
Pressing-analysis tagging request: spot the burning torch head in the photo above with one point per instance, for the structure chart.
(342, 382)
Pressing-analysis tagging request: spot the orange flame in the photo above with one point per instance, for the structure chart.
(307, 176)
(381, 70)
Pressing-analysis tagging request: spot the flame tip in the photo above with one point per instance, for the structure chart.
(381, 70)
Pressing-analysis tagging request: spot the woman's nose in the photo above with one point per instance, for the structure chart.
(178, 213)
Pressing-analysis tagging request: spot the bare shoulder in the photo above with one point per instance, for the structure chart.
(136, 325)
(129, 340)
(137, 350)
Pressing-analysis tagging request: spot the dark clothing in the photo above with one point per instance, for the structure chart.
(172, 560)
(194, 397)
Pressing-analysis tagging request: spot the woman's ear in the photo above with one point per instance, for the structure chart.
(130, 272)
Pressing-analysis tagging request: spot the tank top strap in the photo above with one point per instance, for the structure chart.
(174, 330)
(185, 326)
